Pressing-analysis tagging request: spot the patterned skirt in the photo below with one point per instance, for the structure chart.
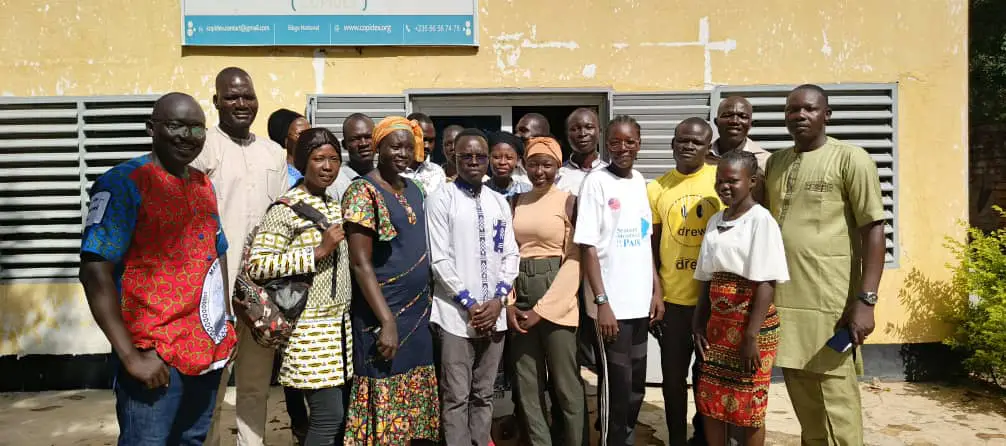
(394, 410)
(726, 393)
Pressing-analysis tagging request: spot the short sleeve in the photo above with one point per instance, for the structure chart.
(862, 186)
(111, 216)
(363, 204)
(704, 265)
(589, 213)
(767, 258)
(652, 195)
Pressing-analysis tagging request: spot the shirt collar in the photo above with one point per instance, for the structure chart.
(469, 189)
(575, 165)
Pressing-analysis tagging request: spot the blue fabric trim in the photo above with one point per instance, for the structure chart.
(503, 289)
(464, 298)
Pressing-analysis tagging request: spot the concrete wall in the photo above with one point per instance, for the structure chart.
(107, 47)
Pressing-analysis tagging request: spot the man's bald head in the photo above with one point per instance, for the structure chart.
(533, 125)
(694, 125)
(735, 102)
(229, 75)
(175, 105)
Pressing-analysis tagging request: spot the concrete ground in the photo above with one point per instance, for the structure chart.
(895, 414)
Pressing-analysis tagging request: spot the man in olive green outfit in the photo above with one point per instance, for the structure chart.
(825, 194)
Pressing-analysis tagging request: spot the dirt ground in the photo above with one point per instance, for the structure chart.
(894, 414)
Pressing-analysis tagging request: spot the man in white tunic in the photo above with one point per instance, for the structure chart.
(475, 260)
(248, 174)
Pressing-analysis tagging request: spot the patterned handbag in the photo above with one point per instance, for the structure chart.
(274, 306)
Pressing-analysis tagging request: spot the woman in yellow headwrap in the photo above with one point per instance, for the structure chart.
(544, 314)
(394, 398)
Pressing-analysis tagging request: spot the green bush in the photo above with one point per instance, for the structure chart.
(979, 307)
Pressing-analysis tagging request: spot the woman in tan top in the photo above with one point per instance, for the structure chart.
(543, 316)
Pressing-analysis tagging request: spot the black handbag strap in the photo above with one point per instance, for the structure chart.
(307, 212)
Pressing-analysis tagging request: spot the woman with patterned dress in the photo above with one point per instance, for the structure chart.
(736, 327)
(394, 399)
(316, 358)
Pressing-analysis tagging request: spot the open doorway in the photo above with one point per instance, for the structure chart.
(495, 111)
(556, 115)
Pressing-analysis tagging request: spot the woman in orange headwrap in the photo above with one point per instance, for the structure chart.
(394, 398)
(544, 316)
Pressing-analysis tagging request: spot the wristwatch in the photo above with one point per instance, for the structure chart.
(600, 299)
(868, 297)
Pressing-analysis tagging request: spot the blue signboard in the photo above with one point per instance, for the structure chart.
(329, 23)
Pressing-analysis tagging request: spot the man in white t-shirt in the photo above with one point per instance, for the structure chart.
(613, 227)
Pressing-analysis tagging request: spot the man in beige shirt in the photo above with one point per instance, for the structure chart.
(248, 174)
(733, 122)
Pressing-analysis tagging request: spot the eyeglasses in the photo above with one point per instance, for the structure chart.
(181, 128)
(622, 145)
(467, 157)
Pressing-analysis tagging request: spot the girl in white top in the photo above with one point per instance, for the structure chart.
(736, 327)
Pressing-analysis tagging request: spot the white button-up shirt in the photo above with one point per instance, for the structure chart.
(473, 252)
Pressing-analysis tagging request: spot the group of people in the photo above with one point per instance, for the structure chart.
(423, 280)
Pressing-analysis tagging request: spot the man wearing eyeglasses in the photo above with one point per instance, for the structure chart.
(682, 202)
(153, 266)
(428, 174)
(248, 173)
(474, 257)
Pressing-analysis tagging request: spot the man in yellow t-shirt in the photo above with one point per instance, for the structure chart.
(682, 201)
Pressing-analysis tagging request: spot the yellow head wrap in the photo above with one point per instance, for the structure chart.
(546, 145)
(392, 124)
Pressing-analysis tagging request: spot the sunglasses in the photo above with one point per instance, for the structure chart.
(467, 157)
(181, 128)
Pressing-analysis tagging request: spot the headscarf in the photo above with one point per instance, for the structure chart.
(312, 139)
(509, 139)
(392, 124)
(544, 144)
(279, 125)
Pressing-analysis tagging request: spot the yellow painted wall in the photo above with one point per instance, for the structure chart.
(62, 47)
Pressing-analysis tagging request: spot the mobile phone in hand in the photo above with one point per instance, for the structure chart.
(842, 340)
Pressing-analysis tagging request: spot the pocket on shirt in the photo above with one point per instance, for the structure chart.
(275, 186)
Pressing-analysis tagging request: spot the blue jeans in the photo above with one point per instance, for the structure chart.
(175, 415)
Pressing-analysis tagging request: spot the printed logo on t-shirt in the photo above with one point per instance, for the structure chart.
(694, 211)
(614, 204)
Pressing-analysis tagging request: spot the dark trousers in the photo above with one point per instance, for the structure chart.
(676, 348)
(622, 382)
(327, 421)
(296, 408)
(178, 414)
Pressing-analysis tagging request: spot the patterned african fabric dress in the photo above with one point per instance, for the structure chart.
(393, 402)
(317, 355)
(735, 256)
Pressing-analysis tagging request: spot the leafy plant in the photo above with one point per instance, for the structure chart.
(979, 309)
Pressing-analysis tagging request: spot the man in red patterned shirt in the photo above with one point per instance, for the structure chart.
(154, 272)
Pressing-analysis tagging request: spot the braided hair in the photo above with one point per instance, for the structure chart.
(745, 160)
